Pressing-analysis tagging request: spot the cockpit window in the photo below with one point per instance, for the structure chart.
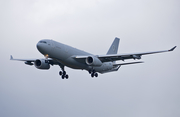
(43, 42)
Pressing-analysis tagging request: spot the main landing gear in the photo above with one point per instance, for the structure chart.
(63, 74)
(93, 73)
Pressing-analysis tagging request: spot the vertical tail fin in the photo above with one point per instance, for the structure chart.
(114, 47)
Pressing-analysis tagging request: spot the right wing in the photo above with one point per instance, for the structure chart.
(116, 57)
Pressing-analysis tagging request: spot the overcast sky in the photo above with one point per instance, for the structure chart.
(150, 89)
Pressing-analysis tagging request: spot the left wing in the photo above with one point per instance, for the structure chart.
(30, 61)
(115, 57)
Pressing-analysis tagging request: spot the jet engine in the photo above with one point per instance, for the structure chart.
(41, 64)
(136, 56)
(93, 61)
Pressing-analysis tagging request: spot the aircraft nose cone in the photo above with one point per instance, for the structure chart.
(39, 47)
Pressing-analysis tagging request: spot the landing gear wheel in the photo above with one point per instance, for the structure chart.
(64, 72)
(60, 73)
(89, 71)
(96, 74)
(62, 76)
(92, 75)
(67, 76)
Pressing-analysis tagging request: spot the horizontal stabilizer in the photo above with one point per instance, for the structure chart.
(128, 63)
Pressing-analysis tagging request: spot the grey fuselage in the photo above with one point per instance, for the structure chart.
(65, 55)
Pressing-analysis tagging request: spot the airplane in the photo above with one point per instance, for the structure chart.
(56, 53)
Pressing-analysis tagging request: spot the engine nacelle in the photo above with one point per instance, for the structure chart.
(93, 61)
(41, 64)
(136, 56)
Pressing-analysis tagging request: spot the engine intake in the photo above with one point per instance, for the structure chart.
(41, 64)
(93, 61)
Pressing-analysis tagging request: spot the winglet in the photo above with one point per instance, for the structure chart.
(172, 48)
(11, 57)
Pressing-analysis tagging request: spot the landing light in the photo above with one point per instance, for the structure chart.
(46, 55)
